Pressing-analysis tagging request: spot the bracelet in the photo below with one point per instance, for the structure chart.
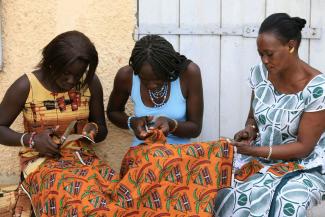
(31, 141)
(175, 127)
(270, 153)
(22, 139)
(96, 126)
(129, 122)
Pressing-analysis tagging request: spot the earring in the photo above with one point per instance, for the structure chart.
(292, 50)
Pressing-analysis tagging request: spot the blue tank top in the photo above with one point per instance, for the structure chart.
(174, 108)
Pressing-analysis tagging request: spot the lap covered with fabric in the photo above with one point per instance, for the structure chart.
(156, 179)
(285, 189)
(77, 183)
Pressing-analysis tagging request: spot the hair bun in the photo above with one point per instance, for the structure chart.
(301, 22)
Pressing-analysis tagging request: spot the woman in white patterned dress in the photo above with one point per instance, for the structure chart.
(282, 148)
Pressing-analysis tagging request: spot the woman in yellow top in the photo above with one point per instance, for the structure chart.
(65, 76)
(62, 89)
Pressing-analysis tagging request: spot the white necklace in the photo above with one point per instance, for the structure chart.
(158, 97)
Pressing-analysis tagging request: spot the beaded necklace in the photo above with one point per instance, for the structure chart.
(157, 95)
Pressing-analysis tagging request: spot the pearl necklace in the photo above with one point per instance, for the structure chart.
(156, 95)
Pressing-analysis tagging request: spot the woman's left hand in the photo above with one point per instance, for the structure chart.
(243, 147)
(162, 123)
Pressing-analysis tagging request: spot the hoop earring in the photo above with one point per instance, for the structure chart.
(292, 50)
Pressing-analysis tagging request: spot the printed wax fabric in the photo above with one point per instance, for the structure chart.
(156, 179)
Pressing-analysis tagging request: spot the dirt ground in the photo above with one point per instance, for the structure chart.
(115, 146)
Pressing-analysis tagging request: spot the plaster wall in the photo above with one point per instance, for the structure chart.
(27, 26)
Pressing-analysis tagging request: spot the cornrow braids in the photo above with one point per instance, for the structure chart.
(160, 54)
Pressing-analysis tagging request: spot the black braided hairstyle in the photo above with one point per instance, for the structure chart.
(160, 54)
(284, 27)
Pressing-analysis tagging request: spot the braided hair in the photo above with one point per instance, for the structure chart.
(160, 54)
(285, 28)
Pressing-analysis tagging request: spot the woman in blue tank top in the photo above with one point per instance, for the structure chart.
(165, 88)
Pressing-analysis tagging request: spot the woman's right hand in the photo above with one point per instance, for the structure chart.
(246, 135)
(139, 126)
(44, 144)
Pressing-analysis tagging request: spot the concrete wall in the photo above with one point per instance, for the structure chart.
(27, 26)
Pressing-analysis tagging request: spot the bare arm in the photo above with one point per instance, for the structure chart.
(96, 109)
(119, 96)
(116, 105)
(10, 108)
(311, 126)
(249, 133)
(250, 119)
(192, 127)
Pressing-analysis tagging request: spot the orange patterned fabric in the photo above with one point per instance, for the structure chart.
(156, 179)
(281, 169)
(76, 184)
(255, 166)
(174, 180)
(248, 170)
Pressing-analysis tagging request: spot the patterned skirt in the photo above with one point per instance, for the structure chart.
(285, 189)
(156, 179)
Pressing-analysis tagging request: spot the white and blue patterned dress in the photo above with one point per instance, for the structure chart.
(277, 116)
